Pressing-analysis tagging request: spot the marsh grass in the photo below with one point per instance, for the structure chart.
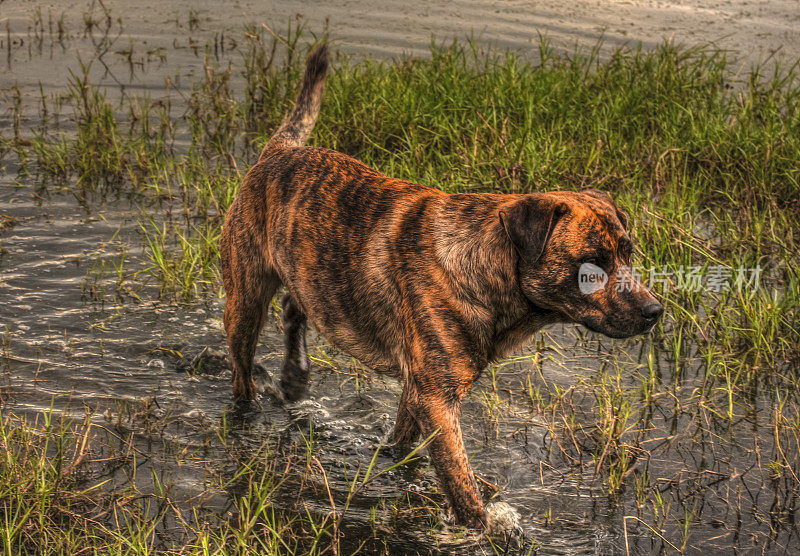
(702, 159)
(70, 486)
(700, 152)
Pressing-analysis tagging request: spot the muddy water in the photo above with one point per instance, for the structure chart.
(71, 343)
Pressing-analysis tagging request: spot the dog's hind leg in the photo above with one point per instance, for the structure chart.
(250, 285)
(244, 318)
(295, 371)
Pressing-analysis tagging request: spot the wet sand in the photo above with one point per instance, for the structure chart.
(751, 30)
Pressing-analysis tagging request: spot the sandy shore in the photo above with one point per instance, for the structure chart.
(752, 30)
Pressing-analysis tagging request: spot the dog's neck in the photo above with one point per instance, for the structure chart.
(477, 255)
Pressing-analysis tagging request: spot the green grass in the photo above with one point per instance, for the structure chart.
(705, 163)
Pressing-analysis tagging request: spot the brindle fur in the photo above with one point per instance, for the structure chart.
(427, 286)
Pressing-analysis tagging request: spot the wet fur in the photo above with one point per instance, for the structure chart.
(427, 286)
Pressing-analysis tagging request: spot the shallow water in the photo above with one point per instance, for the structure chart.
(68, 350)
(72, 343)
(73, 351)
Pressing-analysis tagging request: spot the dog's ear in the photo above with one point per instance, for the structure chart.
(603, 196)
(529, 223)
(623, 218)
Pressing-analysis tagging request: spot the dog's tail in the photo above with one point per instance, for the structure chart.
(296, 128)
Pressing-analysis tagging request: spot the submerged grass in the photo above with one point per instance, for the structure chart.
(702, 156)
(68, 487)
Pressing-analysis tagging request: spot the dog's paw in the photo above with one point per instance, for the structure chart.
(502, 519)
(294, 381)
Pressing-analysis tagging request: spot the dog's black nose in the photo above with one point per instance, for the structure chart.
(652, 310)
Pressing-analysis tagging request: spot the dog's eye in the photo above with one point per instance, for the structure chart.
(596, 261)
(601, 260)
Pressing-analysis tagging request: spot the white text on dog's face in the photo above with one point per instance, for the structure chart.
(591, 278)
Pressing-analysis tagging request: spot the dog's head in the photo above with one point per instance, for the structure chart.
(573, 257)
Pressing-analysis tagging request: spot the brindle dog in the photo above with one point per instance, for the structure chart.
(427, 286)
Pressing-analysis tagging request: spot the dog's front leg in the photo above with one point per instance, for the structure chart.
(449, 456)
